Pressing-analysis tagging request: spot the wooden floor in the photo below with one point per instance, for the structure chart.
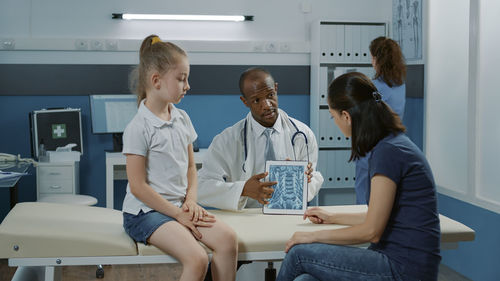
(156, 272)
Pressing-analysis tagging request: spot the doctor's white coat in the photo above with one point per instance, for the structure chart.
(224, 170)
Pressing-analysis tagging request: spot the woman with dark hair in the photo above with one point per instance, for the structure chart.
(401, 223)
(390, 75)
(390, 72)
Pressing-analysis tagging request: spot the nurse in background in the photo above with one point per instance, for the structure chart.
(390, 75)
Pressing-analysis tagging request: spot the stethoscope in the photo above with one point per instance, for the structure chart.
(298, 132)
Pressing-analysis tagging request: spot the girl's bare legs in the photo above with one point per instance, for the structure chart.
(224, 244)
(176, 240)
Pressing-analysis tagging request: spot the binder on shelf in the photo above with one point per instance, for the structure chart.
(324, 43)
(348, 38)
(323, 85)
(339, 42)
(356, 43)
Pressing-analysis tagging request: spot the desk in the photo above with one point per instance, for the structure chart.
(18, 167)
(115, 170)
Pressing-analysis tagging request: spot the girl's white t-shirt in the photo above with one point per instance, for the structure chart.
(164, 144)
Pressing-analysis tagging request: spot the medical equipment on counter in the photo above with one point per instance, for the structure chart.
(11, 160)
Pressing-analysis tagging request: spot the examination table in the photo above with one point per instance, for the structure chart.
(39, 237)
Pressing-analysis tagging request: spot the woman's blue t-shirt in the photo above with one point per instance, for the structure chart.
(412, 234)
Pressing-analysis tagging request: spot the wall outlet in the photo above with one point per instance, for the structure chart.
(271, 47)
(111, 45)
(97, 45)
(284, 47)
(7, 44)
(258, 47)
(81, 44)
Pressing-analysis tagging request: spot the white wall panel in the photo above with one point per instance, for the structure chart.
(447, 93)
(488, 101)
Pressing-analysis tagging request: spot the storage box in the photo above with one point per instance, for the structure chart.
(63, 156)
(55, 128)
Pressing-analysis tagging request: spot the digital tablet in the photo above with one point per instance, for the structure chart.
(290, 193)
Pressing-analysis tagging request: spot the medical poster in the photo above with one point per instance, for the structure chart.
(407, 27)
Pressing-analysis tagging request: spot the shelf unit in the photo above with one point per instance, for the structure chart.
(337, 47)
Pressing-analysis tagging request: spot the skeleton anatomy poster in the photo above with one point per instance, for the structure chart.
(407, 27)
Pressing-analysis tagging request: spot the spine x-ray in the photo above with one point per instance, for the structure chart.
(290, 193)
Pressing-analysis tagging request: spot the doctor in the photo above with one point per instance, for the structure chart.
(233, 170)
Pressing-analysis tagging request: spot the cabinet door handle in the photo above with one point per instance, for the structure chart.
(54, 174)
(55, 186)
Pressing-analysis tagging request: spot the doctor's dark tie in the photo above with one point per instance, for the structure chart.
(269, 151)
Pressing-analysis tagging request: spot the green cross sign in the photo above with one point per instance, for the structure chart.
(58, 131)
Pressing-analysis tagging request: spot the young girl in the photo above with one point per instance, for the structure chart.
(160, 205)
(401, 223)
(390, 74)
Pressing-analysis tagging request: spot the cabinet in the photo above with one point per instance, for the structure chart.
(57, 178)
(336, 48)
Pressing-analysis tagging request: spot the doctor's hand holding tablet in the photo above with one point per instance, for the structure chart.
(261, 190)
(257, 189)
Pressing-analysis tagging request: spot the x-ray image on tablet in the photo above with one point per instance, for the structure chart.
(290, 193)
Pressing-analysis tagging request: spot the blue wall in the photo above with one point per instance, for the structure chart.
(479, 259)
(210, 114)
(413, 119)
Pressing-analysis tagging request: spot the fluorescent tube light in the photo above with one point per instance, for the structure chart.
(181, 17)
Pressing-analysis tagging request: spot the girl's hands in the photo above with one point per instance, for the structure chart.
(192, 215)
(196, 211)
(298, 238)
(318, 215)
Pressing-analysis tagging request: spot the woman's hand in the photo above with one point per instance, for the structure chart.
(299, 238)
(318, 215)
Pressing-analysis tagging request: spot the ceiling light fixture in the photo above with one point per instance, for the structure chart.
(126, 16)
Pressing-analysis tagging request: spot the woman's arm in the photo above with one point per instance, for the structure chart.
(383, 192)
(320, 216)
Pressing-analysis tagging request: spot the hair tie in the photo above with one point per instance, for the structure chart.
(377, 96)
(155, 40)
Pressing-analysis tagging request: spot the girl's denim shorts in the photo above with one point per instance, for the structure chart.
(141, 226)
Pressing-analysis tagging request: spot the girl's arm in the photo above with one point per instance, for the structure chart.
(383, 192)
(196, 212)
(192, 176)
(136, 173)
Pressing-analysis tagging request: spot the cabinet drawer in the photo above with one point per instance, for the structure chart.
(56, 186)
(55, 172)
